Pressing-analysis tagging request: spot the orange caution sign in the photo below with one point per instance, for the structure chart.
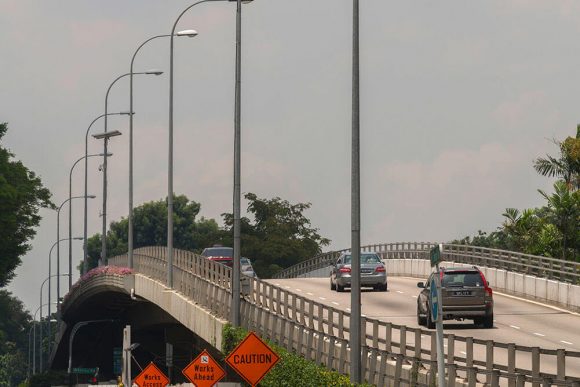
(151, 376)
(252, 359)
(204, 371)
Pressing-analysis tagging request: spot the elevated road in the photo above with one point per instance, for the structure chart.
(517, 320)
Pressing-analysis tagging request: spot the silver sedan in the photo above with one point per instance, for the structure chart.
(372, 272)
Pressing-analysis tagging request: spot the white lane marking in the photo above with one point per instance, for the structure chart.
(464, 353)
(298, 290)
(310, 294)
(539, 334)
(515, 327)
(363, 315)
(347, 309)
(400, 292)
(566, 342)
(322, 298)
(287, 287)
(335, 303)
(277, 284)
(415, 296)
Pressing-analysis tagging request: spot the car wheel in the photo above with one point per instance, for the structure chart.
(488, 321)
(430, 324)
(420, 320)
(339, 288)
(332, 285)
(384, 287)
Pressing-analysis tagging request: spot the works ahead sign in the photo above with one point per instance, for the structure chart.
(204, 371)
(252, 359)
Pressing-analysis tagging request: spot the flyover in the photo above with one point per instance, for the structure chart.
(319, 331)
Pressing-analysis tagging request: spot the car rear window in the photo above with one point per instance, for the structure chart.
(462, 278)
(364, 258)
(218, 252)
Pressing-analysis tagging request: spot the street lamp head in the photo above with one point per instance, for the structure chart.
(132, 347)
(109, 154)
(188, 33)
(91, 196)
(126, 113)
(112, 133)
(154, 72)
(244, 1)
(78, 238)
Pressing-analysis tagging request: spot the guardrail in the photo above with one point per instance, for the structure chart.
(550, 268)
(321, 333)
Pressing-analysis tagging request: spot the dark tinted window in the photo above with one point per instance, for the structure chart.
(364, 258)
(462, 278)
(218, 252)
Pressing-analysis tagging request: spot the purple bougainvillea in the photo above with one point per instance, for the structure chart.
(101, 270)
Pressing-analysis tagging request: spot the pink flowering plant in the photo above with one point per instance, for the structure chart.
(101, 270)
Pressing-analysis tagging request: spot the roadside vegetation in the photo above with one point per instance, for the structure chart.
(552, 230)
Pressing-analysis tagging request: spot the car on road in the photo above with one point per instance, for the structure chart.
(246, 268)
(220, 254)
(372, 272)
(465, 295)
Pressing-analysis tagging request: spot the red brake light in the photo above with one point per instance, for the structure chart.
(380, 269)
(344, 269)
(487, 288)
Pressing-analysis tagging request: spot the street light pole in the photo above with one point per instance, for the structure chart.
(355, 300)
(85, 251)
(103, 259)
(58, 244)
(70, 238)
(189, 33)
(40, 319)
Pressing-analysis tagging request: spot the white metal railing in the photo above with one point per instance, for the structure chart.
(321, 333)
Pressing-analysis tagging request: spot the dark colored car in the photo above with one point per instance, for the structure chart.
(372, 272)
(220, 254)
(465, 294)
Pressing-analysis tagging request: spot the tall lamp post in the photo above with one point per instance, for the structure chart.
(235, 296)
(105, 138)
(187, 33)
(85, 251)
(58, 239)
(355, 297)
(40, 319)
(49, 284)
(70, 238)
(34, 338)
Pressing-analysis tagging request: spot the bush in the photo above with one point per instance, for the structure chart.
(292, 369)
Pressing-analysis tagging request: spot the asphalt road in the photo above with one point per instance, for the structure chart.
(515, 320)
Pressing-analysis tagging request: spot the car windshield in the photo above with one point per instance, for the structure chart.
(462, 278)
(364, 258)
(245, 261)
(218, 252)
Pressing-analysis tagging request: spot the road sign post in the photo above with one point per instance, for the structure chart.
(252, 359)
(437, 312)
(204, 371)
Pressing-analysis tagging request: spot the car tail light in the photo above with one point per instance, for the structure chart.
(344, 270)
(487, 288)
(380, 269)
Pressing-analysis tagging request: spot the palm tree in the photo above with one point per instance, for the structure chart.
(567, 166)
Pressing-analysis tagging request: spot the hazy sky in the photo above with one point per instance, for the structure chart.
(457, 99)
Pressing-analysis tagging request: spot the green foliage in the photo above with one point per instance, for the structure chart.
(292, 369)
(14, 329)
(21, 197)
(150, 229)
(47, 379)
(554, 229)
(279, 237)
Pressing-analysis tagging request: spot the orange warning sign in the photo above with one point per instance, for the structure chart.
(252, 359)
(204, 371)
(151, 376)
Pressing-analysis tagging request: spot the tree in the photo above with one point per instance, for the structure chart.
(14, 328)
(564, 213)
(150, 229)
(280, 236)
(567, 165)
(21, 197)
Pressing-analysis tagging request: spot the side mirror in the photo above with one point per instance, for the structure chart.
(487, 283)
(421, 285)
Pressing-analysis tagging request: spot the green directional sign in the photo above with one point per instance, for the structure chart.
(84, 371)
(435, 255)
